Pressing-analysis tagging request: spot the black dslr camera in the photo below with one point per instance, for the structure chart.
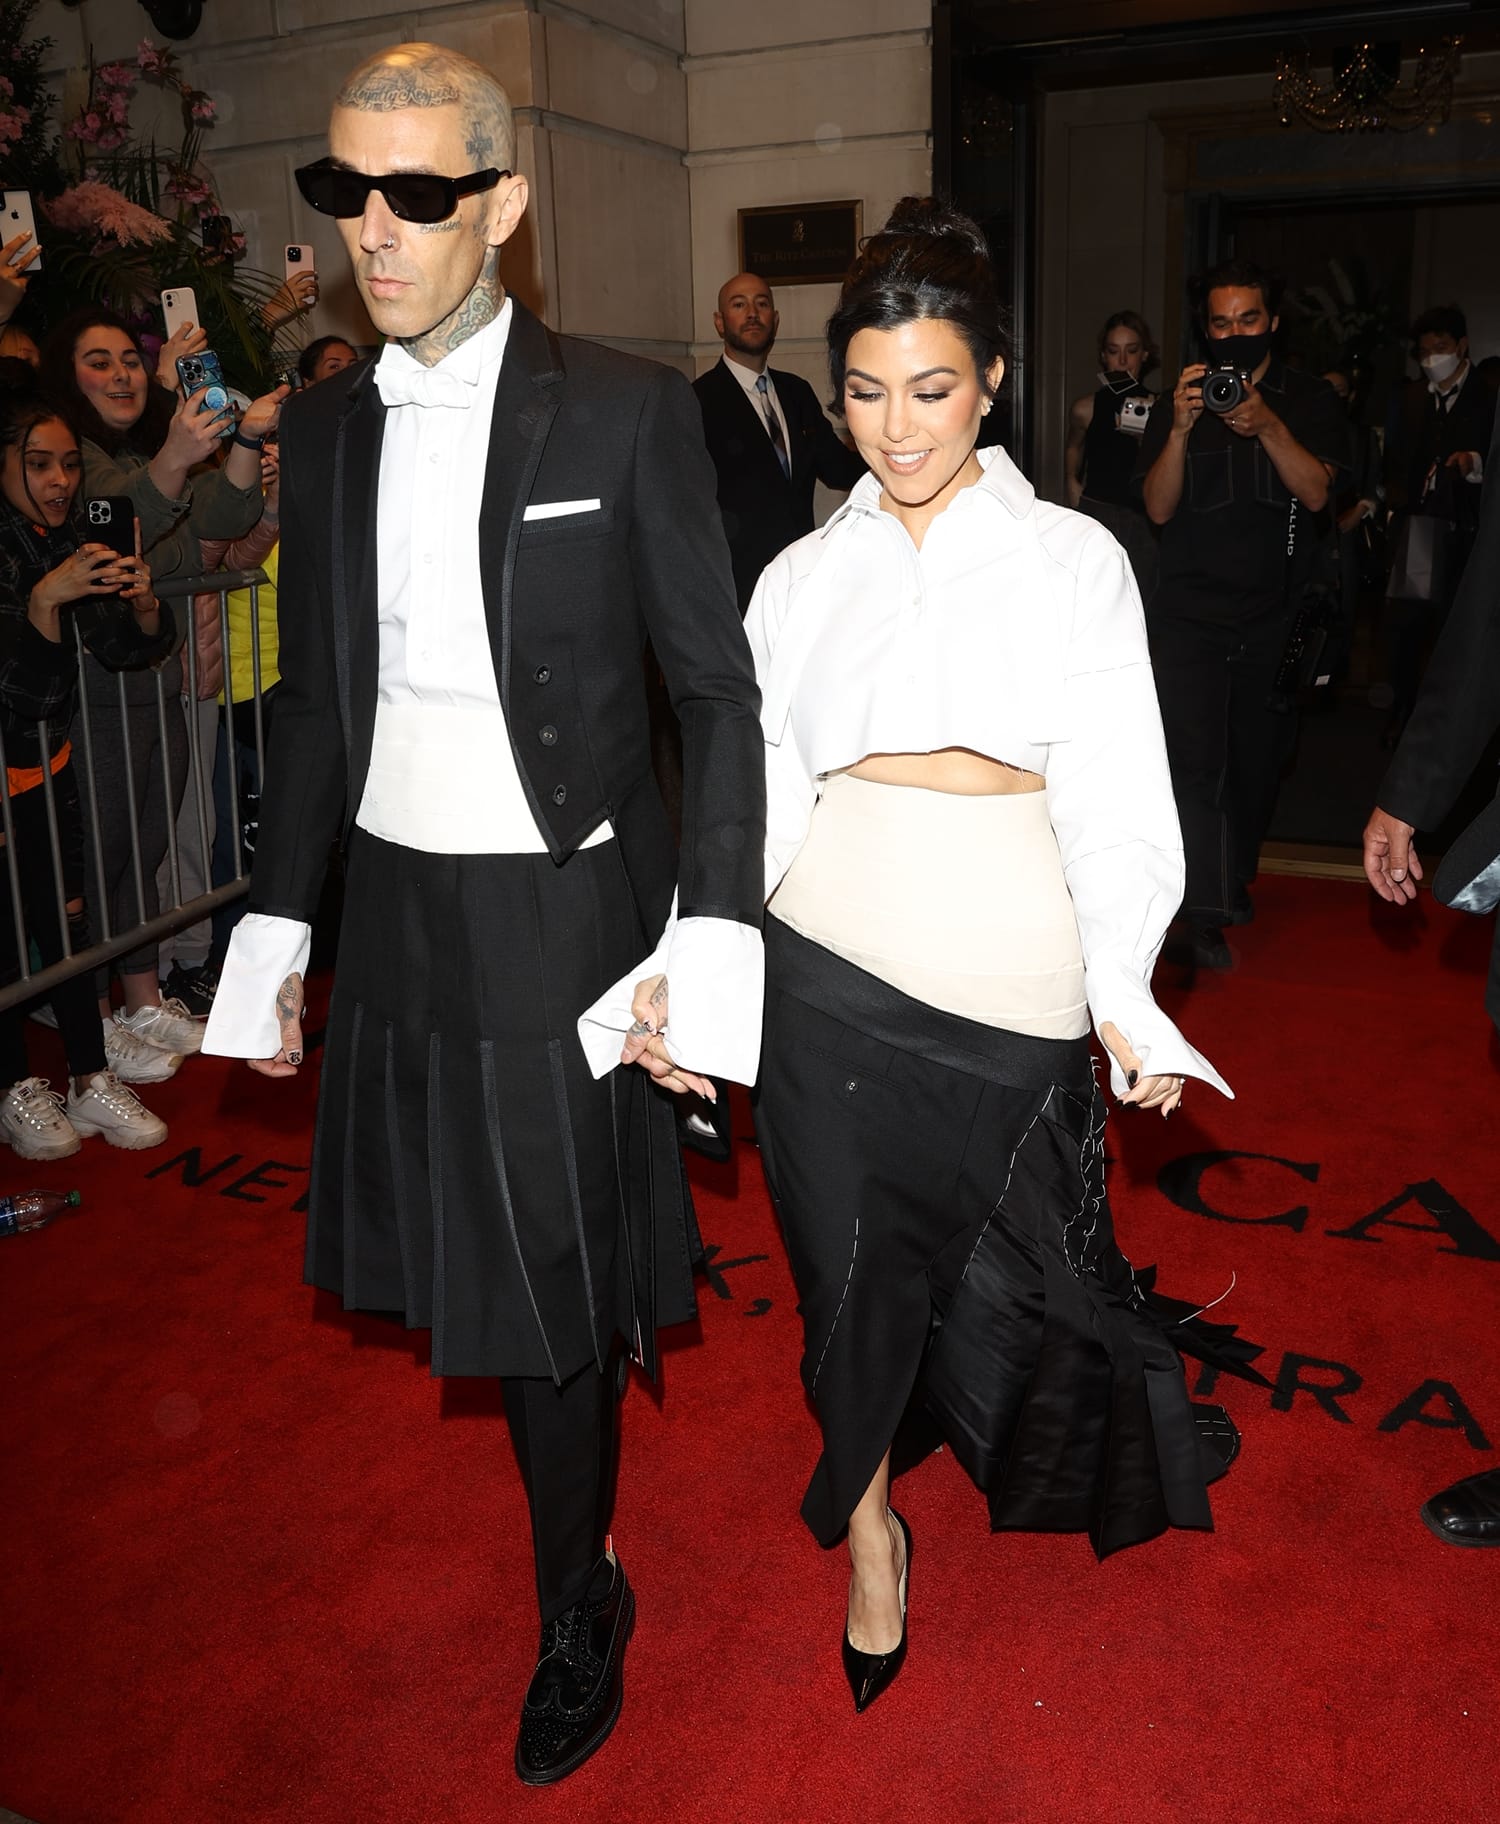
(1224, 388)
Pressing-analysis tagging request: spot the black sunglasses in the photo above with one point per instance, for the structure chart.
(414, 196)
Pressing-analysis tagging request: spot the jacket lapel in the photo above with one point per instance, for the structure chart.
(746, 413)
(356, 586)
(527, 398)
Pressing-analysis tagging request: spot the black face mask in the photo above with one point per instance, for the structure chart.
(1243, 352)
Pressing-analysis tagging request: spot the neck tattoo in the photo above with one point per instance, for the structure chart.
(480, 307)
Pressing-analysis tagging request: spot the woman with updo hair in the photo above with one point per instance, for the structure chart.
(1106, 429)
(973, 855)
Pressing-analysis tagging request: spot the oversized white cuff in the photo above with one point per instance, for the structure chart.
(263, 952)
(716, 986)
(1116, 993)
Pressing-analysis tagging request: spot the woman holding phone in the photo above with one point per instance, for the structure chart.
(137, 443)
(53, 579)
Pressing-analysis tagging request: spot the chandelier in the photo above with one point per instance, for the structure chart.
(1367, 94)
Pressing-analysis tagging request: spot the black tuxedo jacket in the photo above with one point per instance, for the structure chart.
(1458, 710)
(570, 603)
(763, 511)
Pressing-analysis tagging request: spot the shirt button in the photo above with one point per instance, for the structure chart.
(428, 558)
(560, 794)
(547, 735)
(543, 674)
(434, 457)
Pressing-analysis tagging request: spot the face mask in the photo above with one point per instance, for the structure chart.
(1119, 381)
(1440, 367)
(1243, 352)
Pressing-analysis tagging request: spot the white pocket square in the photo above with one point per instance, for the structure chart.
(555, 509)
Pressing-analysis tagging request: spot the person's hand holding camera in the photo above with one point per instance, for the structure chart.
(92, 570)
(1252, 417)
(1187, 398)
(187, 339)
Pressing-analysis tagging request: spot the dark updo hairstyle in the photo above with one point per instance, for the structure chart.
(60, 380)
(929, 261)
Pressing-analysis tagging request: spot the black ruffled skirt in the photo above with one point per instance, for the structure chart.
(468, 1171)
(941, 1186)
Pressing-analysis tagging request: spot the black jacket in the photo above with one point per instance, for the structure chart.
(1426, 435)
(1458, 710)
(570, 603)
(763, 511)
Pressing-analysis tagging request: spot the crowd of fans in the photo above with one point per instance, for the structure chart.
(89, 654)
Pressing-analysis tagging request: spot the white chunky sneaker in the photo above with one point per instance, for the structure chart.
(132, 1059)
(169, 1027)
(32, 1120)
(107, 1107)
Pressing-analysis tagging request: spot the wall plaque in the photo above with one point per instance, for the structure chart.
(800, 243)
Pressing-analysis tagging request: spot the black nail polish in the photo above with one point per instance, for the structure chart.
(1132, 1077)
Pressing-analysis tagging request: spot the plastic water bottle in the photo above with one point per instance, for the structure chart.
(34, 1209)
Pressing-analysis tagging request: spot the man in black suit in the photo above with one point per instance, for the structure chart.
(479, 532)
(1454, 720)
(1434, 465)
(767, 435)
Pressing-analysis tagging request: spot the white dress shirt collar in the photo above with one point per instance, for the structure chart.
(1001, 482)
(455, 380)
(747, 376)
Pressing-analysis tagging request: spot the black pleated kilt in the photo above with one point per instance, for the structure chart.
(941, 1186)
(468, 1171)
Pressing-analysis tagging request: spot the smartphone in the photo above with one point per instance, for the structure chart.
(216, 231)
(180, 306)
(111, 521)
(299, 258)
(197, 371)
(291, 377)
(20, 218)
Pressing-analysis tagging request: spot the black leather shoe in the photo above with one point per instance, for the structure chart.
(1469, 1512)
(870, 1673)
(573, 1700)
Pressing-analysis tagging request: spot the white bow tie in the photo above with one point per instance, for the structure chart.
(413, 385)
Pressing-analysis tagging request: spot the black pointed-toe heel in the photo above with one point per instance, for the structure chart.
(870, 1673)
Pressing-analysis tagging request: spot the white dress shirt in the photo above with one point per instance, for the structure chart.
(443, 777)
(749, 380)
(1017, 631)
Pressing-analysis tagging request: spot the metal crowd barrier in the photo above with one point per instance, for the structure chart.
(32, 984)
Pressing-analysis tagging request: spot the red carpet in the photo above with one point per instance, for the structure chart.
(259, 1566)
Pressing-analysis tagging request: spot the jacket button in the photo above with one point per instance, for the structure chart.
(543, 674)
(560, 794)
(547, 735)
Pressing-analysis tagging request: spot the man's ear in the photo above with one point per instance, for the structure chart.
(1275, 325)
(512, 207)
(718, 326)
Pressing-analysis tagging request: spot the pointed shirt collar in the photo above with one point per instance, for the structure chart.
(1002, 482)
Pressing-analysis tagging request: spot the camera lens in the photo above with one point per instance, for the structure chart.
(294, 254)
(1223, 390)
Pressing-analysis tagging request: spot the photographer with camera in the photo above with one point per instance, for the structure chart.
(1234, 474)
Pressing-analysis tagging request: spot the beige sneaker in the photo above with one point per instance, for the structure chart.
(169, 1027)
(32, 1120)
(107, 1107)
(132, 1059)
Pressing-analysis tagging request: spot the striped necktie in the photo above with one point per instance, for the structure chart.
(773, 425)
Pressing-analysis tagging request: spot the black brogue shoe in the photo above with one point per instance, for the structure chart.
(1469, 1512)
(573, 1700)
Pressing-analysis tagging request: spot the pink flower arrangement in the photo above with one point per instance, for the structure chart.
(110, 215)
(150, 60)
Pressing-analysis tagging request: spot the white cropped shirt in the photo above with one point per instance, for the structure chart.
(1016, 631)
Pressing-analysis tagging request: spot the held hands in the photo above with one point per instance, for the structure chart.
(270, 477)
(644, 1044)
(1464, 461)
(193, 435)
(290, 299)
(1164, 1093)
(1252, 417)
(186, 339)
(290, 1003)
(1391, 864)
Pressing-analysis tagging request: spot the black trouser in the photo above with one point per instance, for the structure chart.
(74, 1002)
(567, 1443)
(1227, 752)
